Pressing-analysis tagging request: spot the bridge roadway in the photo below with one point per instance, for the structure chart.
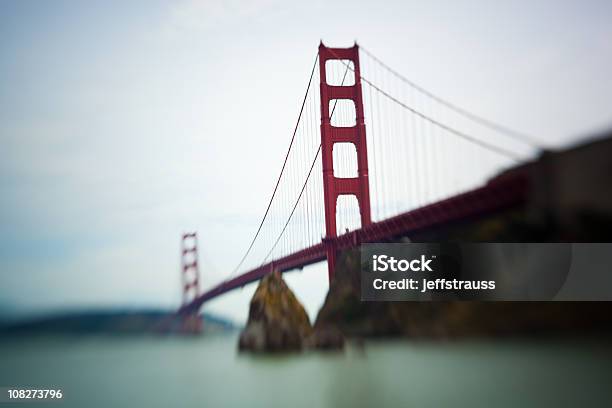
(503, 192)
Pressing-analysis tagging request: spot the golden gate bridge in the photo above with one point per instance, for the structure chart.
(372, 157)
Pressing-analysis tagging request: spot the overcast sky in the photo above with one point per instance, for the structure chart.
(123, 124)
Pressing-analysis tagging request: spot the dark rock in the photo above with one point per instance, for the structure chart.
(277, 320)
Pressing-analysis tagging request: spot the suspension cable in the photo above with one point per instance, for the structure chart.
(281, 172)
(521, 136)
(456, 132)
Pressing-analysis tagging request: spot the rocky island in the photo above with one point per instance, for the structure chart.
(277, 320)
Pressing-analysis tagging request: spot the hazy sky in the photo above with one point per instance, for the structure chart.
(123, 124)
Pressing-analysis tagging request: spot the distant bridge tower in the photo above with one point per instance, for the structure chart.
(190, 279)
(336, 186)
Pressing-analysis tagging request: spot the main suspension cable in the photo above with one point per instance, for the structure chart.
(521, 136)
(281, 172)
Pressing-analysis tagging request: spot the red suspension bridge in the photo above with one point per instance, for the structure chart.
(372, 157)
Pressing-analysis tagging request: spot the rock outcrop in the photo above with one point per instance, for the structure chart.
(277, 320)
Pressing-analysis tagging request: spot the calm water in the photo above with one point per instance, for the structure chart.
(207, 372)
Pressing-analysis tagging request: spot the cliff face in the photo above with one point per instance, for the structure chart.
(277, 320)
(343, 311)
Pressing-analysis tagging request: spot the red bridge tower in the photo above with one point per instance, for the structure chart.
(336, 186)
(190, 279)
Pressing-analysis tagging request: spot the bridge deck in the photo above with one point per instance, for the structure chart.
(501, 193)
